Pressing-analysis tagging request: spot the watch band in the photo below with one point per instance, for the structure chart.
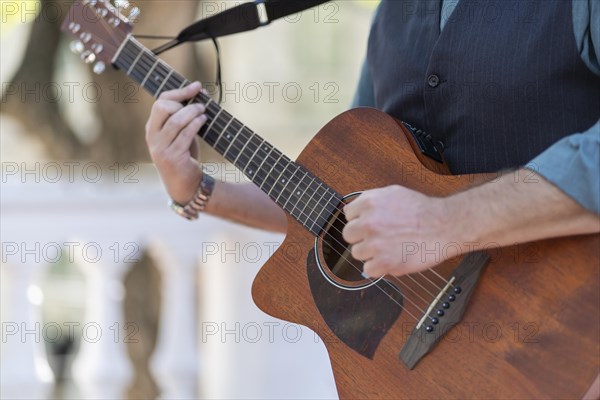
(198, 203)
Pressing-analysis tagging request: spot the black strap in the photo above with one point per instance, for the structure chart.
(242, 18)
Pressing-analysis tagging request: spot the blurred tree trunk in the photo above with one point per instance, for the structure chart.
(36, 72)
(122, 107)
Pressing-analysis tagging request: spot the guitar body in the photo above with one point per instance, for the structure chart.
(524, 323)
(530, 330)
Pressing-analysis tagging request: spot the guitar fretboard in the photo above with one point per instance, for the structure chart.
(304, 196)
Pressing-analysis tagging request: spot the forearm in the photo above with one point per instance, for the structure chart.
(513, 210)
(248, 205)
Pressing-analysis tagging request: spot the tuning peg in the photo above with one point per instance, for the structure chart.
(76, 46)
(134, 13)
(114, 21)
(88, 57)
(85, 37)
(122, 4)
(74, 27)
(97, 48)
(99, 67)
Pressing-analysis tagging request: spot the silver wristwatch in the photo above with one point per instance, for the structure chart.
(198, 203)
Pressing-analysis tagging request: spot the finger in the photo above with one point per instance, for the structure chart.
(374, 268)
(351, 211)
(186, 137)
(182, 94)
(194, 152)
(161, 112)
(352, 232)
(178, 121)
(356, 207)
(363, 251)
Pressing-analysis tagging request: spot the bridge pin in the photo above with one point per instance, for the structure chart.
(429, 328)
(434, 320)
(457, 290)
(446, 305)
(452, 297)
(440, 313)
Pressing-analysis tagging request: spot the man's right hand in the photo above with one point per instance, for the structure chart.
(171, 138)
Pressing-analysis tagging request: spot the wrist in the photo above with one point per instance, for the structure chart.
(199, 201)
(183, 191)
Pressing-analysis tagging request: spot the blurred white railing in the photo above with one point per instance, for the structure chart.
(226, 348)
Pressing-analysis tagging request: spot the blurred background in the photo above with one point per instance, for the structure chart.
(105, 293)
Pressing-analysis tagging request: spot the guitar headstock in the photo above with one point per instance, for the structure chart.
(99, 28)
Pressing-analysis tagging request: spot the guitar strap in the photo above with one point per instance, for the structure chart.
(241, 18)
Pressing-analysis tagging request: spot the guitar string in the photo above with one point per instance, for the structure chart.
(145, 76)
(414, 304)
(142, 49)
(158, 61)
(276, 170)
(141, 59)
(320, 185)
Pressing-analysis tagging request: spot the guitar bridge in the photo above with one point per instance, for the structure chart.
(449, 306)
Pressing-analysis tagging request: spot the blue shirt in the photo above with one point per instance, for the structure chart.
(572, 163)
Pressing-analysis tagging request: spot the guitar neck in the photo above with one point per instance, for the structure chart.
(291, 186)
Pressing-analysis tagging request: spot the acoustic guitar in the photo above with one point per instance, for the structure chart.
(515, 322)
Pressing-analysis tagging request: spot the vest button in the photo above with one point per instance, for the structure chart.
(433, 80)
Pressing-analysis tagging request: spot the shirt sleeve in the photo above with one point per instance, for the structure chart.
(573, 165)
(586, 26)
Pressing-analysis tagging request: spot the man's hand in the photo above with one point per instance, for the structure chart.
(389, 227)
(399, 231)
(171, 138)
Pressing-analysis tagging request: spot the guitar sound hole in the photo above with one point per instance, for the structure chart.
(336, 254)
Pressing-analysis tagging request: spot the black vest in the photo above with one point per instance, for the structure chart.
(501, 83)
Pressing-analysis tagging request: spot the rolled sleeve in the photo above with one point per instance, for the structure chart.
(573, 165)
